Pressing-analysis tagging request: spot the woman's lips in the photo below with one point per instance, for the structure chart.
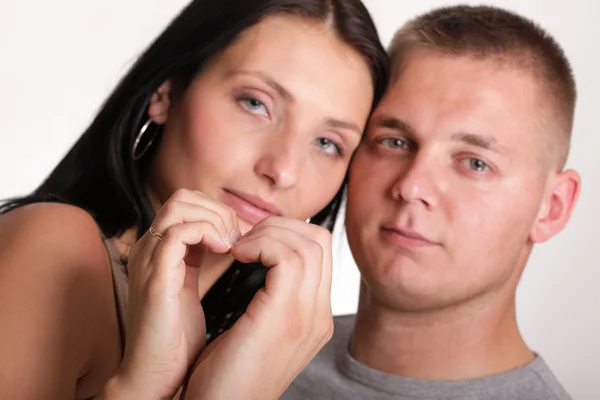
(251, 208)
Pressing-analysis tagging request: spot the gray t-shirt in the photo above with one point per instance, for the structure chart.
(334, 374)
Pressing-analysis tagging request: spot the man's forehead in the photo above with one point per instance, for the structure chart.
(500, 103)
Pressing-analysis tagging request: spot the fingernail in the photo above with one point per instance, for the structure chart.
(235, 235)
(240, 239)
(227, 241)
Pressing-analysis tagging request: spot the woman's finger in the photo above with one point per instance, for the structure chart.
(310, 252)
(282, 281)
(227, 213)
(178, 238)
(177, 212)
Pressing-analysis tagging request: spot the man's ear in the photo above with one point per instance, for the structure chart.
(562, 194)
(160, 104)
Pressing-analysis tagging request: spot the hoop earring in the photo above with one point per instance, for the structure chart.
(134, 151)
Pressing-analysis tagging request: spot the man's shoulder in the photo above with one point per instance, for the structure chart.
(534, 381)
(546, 381)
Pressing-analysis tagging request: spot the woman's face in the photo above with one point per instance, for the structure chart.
(269, 125)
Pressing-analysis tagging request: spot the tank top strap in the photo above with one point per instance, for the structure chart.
(118, 268)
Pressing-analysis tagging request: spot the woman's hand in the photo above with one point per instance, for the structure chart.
(285, 325)
(166, 328)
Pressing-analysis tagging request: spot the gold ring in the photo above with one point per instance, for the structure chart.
(155, 233)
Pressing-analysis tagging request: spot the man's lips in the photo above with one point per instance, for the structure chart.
(407, 238)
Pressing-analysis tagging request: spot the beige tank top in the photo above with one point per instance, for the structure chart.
(118, 269)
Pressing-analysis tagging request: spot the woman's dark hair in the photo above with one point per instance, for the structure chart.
(99, 174)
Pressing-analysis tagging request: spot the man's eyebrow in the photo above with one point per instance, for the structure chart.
(282, 91)
(472, 139)
(481, 141)
(396, 124)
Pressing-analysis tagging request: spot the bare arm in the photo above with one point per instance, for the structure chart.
(54, 297)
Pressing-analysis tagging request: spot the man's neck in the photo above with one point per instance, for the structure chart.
(470, 341)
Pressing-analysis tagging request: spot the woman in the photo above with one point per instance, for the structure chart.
(239, 120)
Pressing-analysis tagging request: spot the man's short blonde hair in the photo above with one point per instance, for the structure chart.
(488, 32)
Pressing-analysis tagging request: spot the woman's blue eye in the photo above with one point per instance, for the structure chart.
(254, 106)
(329, 146)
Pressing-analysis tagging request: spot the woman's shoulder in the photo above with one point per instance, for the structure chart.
(56, 280)
(39, 213)
(52, 244)
(64, 231)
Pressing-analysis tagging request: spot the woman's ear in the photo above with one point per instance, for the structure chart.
(563, 191)
(160, 104)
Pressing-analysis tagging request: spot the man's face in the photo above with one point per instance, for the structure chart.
(451, 185)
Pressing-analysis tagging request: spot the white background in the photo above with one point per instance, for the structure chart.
(59, 59)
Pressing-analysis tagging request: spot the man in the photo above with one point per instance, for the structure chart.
(459, 175)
